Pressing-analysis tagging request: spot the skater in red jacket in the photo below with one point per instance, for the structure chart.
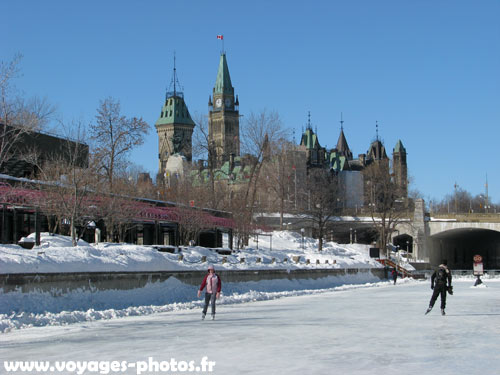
(214, 284)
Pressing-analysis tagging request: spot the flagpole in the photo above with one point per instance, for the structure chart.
(221, 37)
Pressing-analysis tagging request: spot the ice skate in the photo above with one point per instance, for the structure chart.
(202, 316)
(213, 317)
(428, 310)
(442, 312)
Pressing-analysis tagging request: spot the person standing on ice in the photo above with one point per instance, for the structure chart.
(394, 275)
(440, 283)
(214, 284)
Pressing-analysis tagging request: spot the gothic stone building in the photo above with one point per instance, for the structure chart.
(175, 129)
(341, 162)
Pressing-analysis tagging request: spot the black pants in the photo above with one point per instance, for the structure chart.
(209, 297)
(439, 289)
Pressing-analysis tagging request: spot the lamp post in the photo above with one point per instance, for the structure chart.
(308, 195)
(302, 230)
(350, 235)
(407, 250)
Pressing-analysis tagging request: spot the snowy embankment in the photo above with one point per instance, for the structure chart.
(55, 254)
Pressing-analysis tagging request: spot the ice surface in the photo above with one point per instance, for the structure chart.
(22, 310)
(375, 329)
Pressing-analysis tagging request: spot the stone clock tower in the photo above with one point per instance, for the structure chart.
(174, 128)
(223, 117)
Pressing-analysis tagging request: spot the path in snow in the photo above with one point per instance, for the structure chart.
(374, 330)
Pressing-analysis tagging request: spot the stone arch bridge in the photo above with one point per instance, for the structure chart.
(456, 238)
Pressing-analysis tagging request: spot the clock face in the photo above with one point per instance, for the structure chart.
(228, 102)
(218, 102)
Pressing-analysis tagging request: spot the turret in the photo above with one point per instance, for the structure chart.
(400, 167)
(174, 126)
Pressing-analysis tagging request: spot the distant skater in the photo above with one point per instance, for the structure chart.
(440, 283)
(214, 284)
(394, 275)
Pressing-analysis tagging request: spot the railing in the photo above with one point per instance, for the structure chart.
(469, 217)
(390, 263)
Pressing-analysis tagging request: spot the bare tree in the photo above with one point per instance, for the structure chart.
(279, 175)
(383, 200)
(205, 149)
(18, 116)
(68, 186)
(462, 202)
(243, 226)
(118, 209)
(323, 201)
(191, 222)
(259, 133)
(114, 136)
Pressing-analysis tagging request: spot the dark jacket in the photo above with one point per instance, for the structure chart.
(441, 277)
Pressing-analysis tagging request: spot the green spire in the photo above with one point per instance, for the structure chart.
(175, 110)
(309, 139)
(223, 82)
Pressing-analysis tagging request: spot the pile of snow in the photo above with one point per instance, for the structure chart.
(24, 310)
(56, 254)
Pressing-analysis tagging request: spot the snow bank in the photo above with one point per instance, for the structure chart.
(23, 310)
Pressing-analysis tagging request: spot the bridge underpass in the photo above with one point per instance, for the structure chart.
(458, 246)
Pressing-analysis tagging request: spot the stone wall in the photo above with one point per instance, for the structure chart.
(95, 281)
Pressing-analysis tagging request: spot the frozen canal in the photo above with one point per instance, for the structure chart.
(368, 330)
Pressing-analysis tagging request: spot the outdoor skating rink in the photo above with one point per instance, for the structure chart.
(365, 330)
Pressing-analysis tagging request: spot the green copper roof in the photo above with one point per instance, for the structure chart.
(309, 139)
(338, 162)
(238, 175)
(175, 111)
(399, 147)
(223, 83)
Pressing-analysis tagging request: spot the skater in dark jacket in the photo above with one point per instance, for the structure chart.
(440, 283)
(394, 275)
(214, 284)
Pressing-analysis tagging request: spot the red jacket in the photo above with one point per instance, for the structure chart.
(204, 283)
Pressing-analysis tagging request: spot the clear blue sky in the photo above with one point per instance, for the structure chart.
(428, 71)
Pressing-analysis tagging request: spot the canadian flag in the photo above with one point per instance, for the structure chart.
(221, 37)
